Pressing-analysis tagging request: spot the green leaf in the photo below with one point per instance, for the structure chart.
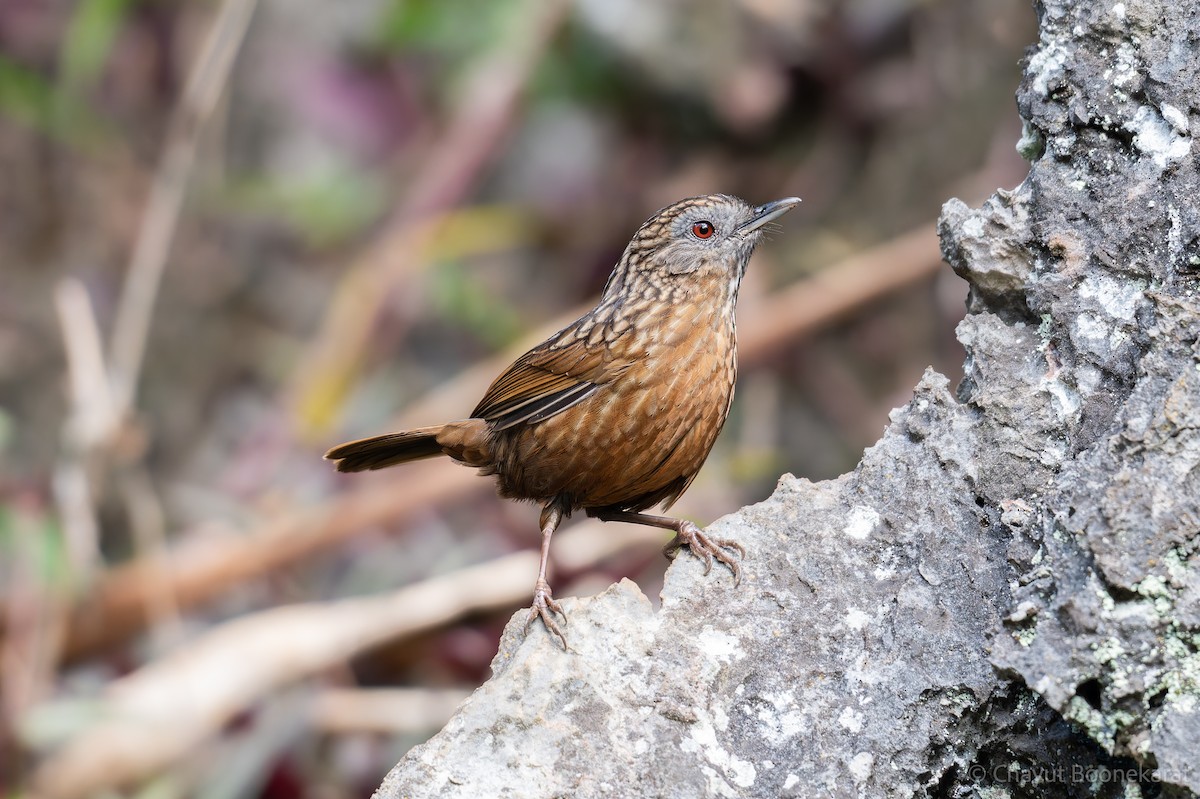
(88, 40)
(32, 101)
(25, 97)
(456, 30)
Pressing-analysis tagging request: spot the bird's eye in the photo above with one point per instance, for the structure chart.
(703, 229)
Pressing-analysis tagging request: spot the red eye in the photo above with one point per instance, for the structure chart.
(702, 229)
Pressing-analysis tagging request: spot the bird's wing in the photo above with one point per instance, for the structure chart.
(548, 380)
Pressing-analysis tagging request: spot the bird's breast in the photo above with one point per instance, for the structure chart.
(643, 435)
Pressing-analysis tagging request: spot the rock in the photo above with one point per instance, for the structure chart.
(854, 639)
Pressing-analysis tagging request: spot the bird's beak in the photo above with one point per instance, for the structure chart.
(768, 213)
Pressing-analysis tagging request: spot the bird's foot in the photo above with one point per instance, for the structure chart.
(707, 549)
(545, 607)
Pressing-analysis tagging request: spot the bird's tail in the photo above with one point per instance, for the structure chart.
(387, 450)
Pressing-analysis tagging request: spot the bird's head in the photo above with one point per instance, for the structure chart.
(706, 237)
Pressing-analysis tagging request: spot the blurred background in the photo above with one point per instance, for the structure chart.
(234, 233)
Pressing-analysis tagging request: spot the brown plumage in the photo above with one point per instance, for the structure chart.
(616, 412)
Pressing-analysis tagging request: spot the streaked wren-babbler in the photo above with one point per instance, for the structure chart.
(616, 412)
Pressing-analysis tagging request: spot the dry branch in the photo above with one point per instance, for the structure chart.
(390, 711)
(159, 713)
(116, 609)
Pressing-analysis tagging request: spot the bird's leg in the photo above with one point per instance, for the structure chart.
(544, 605)
(686, 535)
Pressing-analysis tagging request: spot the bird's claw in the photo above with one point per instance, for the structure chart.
(544, 607)
(707, 549)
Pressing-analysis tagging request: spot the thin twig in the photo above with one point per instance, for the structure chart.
(93, 412)
(91, 420)
(832, 293)
(140, 291)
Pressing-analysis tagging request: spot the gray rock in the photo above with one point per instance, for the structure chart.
(844, 637)
(1003, 599)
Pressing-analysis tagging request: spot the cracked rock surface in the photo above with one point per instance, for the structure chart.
(1003, 599)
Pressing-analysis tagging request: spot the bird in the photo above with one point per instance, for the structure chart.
(615, 413)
